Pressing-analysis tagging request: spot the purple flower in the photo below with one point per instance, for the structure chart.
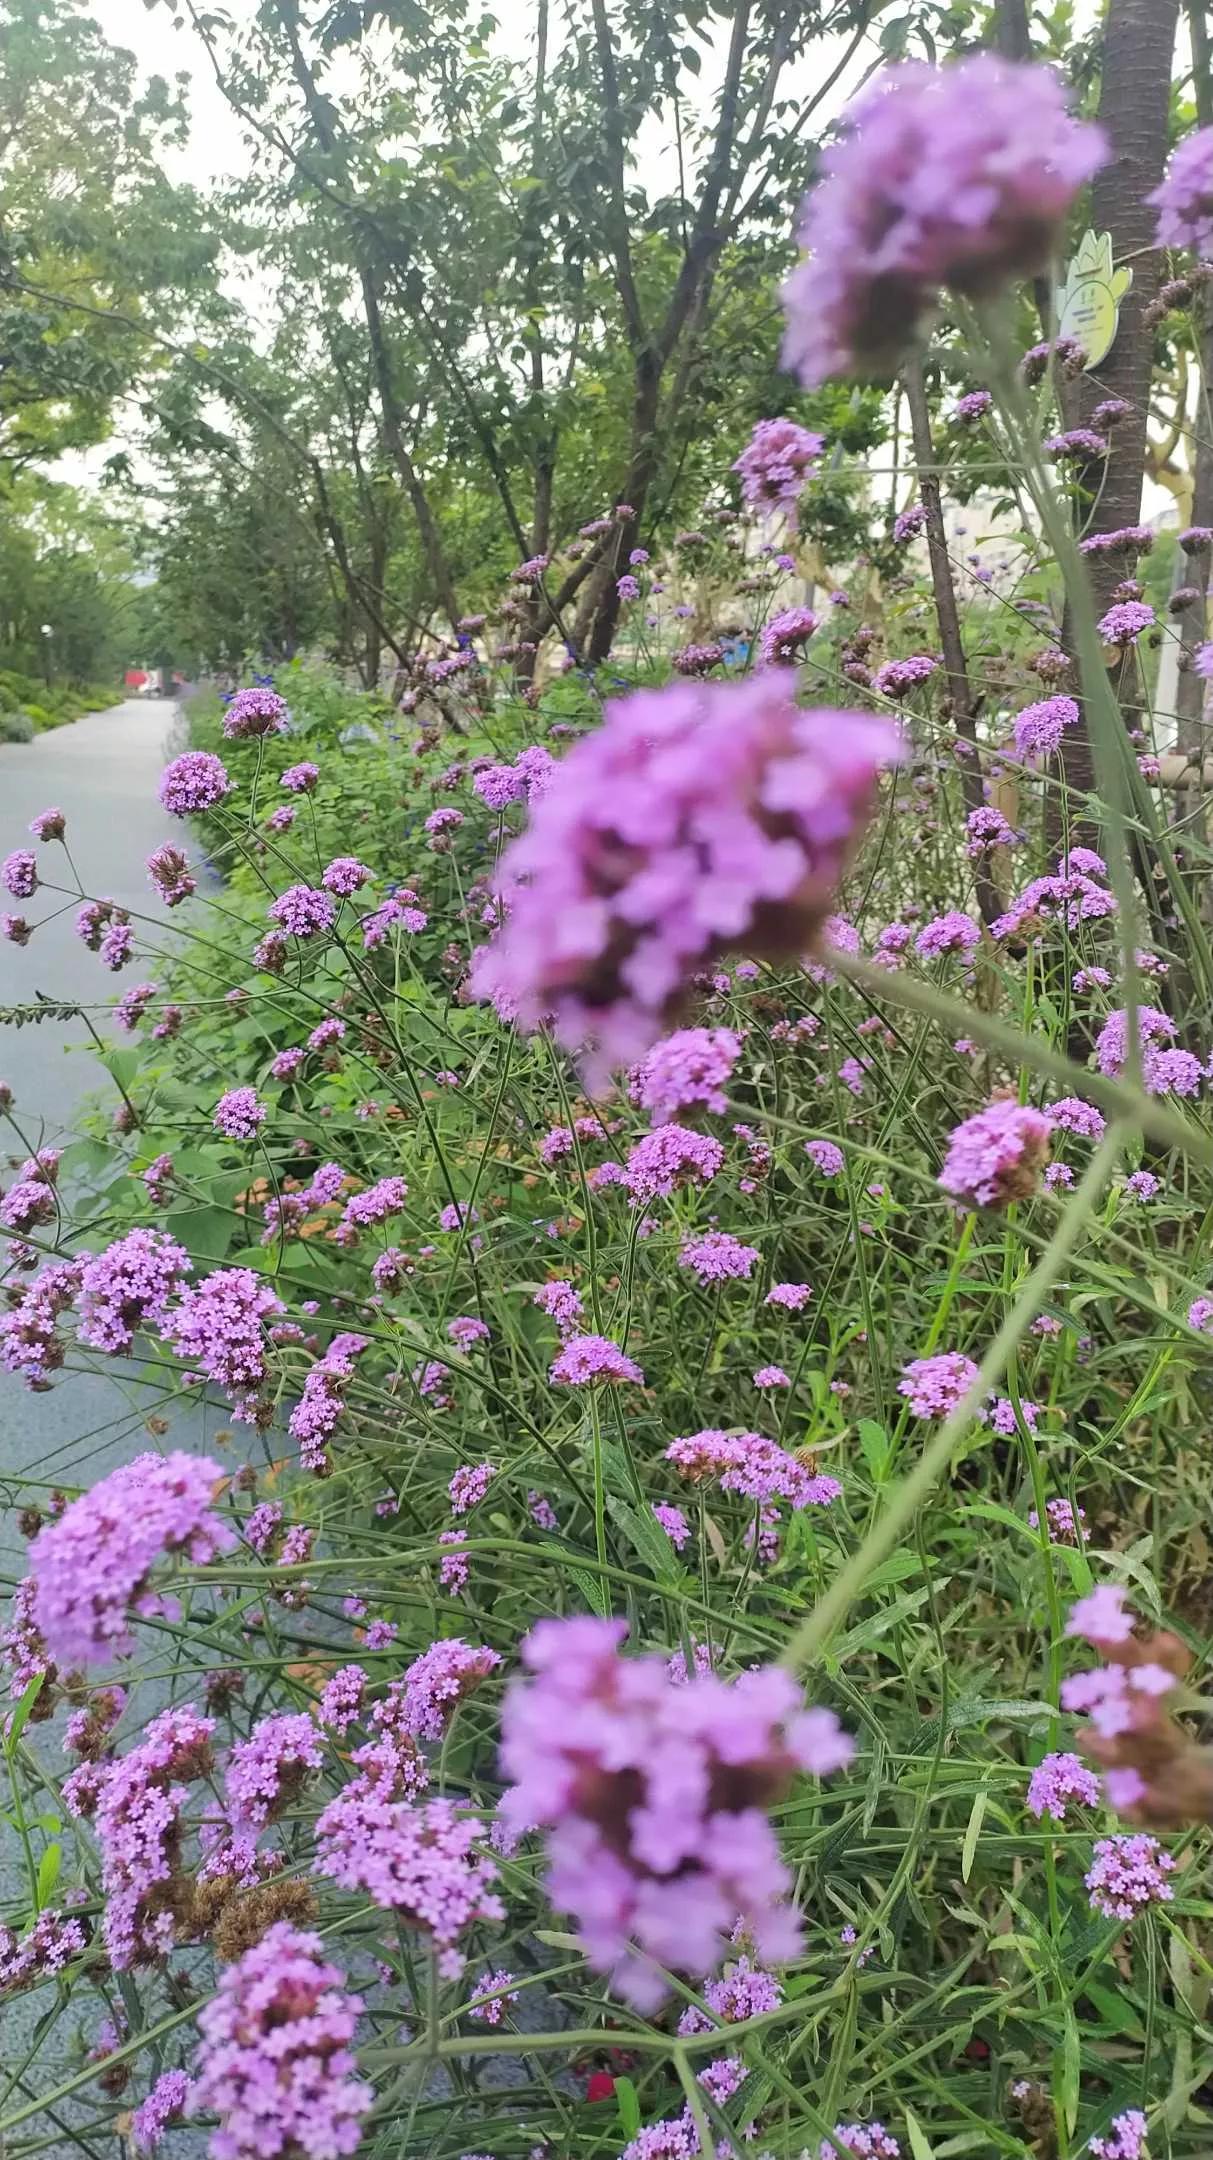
(29, 1342)
(752, 1466)
(996, 1157)
(166, 2103)
(716, 1257)
(909, 523)
(239, 1113)
(344, 875)
(591, 1360)
(276, 2063)
(784, 635)
(128, 1286)
(138, 1802)
(1142, 1185)
(653, 1796)
(266, 1772)
(775, 465)
(670, 1156)
(1184, 200)
(341, 1701)
(386, 1197)
(300, 779)
(1061, 1521)
(934, 1386)
(898, 677)
(19, 872)
(417, 1862)
(771, 1376)
(1080, 444)
(792, 1296)
(1124, 623)
(1039, 728)
(219, 1327)
(303, 911)
(1126, 540)
(673, 1522)
(696, 659)
(692, 1066)
(1071, 1114)
(950, 933)
(169, 873)
(194, 782)
(1057, 1780)
(561, 1303)
(859, 2141)
(957, 176)
(1128, 1874)
(1100, 1617)
(500, 1986)
(973, 406)
(1154, 1028)
(48, 825)
(92, 1566)
(1129, 2131)
(697, 818)
(469, 1485)
(825, 1156)
(259, 711)
(423, 1703)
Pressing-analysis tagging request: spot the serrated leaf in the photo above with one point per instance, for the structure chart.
(20, 1717)
(594, 1591)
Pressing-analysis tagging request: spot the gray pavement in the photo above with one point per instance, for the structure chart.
(102, 772)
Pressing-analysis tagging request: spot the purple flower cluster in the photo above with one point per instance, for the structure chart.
(194, 782)
(128, 1286)
(691, 1067)
(276, 2063)
(997, 1156)
(219, 1328)
(898, 677)
(592, 1361)
(957, 176)
(1056, 1781)
(239, 1113)
(265, 1772)
(170, 874)
(1128, 1874)
(423, 1703)
(698, 817)
(784, 635)
(166, 2103)
(654, 1799)
(138, 1822)
(749, 1464)
(1039, 728)
(418, 1862)
(258, 711)
(670, 1156)
(1124, 622)
(1184, 200)
(1128, 2131)
(30, 1344)
(92, 1566)
(775, 465)
(375, 1204)
(933, 1386)
(303, 911)
(320, 1408)
(717, 1257)
(50, 1944)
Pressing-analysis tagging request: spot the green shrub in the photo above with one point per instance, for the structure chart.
(15, 726)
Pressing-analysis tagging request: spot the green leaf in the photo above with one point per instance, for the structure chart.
(645, 1536)
(629, 2106)
(593, 1590)
(20, 1717)
(874, 1441)
(48, 1874)
(920, 2144)
(973, 1831)
(1066, 2067)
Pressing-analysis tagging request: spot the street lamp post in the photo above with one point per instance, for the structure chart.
(48, 631)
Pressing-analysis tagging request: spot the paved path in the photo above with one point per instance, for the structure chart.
(102, 771)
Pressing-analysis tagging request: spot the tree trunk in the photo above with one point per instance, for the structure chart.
(1134, 106)
(948, 616)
